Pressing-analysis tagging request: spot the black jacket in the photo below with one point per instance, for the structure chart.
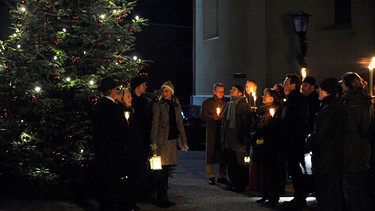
(110, 141)
(357, 147)
(326, 141)
(294, 122)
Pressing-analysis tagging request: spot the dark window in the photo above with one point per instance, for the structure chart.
(342, 11)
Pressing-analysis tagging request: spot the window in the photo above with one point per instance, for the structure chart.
(342, 11)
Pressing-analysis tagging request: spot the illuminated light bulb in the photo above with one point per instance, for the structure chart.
(55, 57)
(136, 17)
(102, 16)
(68, 79)
(14, 35)
(37, 88)
(18, 46)
(91, 82)
(64, 29)
(135, 58)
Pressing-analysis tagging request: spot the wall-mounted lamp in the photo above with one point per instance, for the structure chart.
(300, 23)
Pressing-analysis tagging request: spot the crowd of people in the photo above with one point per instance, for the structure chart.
(294, 123)
(332, 123)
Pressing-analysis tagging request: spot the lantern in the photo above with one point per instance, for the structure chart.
(155, 162)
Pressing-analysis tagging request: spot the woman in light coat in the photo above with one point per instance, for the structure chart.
(167, 131)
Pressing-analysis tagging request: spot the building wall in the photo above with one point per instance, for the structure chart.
(257, 38)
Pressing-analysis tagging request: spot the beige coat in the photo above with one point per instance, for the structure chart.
(167, 149)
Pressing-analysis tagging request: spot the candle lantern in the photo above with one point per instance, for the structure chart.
(155, 162)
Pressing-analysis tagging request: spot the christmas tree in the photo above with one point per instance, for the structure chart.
(50, 69)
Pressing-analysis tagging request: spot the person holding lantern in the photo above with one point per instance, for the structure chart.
(266, 147)
(167, 131)
(212, 113)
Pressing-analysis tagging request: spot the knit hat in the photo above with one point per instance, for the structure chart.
(310, 80)
(107, 84)
(239, 88)
(136, 81)
(329, 85)
(168, 85)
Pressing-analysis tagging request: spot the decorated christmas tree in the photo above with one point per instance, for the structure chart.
(50, 69)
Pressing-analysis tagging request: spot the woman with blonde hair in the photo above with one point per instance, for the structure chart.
(167, 131)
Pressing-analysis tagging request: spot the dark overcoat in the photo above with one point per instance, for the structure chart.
(208, 113)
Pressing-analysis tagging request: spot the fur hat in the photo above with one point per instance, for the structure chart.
(329, 85)
(107, 84)
(168, 85)
(136, 81)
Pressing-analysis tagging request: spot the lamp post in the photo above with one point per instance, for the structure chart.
(300, 23)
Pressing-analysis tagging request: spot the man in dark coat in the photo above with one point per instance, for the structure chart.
(294, 121)
(111, 151)
(309, 89)
(212, 113)
(326, 144)
(235, 138)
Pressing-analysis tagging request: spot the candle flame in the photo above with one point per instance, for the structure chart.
(272, 111)
(303, 73)
(127, 114)
(218, 110)
(372, 64)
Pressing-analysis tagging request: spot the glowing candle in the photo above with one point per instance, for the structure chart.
(272, 111)
(371, 68)
(303, 73)
(127, 115)
(218, 110)
(247, 159)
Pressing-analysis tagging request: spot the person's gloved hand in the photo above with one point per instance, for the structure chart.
(185, 148)
(153, 147)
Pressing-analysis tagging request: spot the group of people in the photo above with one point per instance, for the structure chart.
(332, 123)
(128, 128)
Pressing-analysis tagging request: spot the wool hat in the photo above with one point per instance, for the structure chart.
(107, 84)
(310, 80)
(136, 81)
(168, 85)
(330, 85)
(239, 88)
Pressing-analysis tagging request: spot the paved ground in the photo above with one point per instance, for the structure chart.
(188, 188)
